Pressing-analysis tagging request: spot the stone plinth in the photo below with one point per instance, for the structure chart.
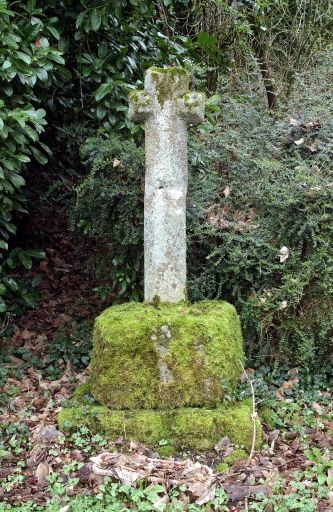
(167, 356)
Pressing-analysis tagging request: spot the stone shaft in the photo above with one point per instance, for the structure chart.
(166, 107)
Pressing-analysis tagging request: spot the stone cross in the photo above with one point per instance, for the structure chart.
(166, 107)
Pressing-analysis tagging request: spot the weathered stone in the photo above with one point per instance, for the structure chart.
(168, 357)
(166, 107)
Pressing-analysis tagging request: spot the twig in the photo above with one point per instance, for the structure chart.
(124, 426)
(5, 324)
(253, 416)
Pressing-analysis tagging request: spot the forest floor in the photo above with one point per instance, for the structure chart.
(292, 471)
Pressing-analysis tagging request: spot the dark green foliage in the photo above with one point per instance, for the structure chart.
(109, 209)
(17, 293)
(69, 345)
(281, 195)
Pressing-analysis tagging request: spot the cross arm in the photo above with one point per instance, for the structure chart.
(192, 107)
(140, 106)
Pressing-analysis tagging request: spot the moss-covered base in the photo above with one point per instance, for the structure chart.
(164, 356)
(194, 428)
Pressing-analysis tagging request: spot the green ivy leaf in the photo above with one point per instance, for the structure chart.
(80, 19)
(321, 478)
(63, 44)
(24, 57)
(29, 300)
(101, 111)
(55, 55)
(12, 284)
(17, 180)
(54, 32)
(7, 89)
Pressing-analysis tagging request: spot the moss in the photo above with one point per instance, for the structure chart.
(221, 468)
(236, 455)
(267, 416)
(194, 428)
(82, 390)
(165, 451)
(167, 356)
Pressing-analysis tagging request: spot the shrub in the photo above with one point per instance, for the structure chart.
(275, 171)
(108, 208)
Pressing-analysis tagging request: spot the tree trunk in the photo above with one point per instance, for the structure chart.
(259, 49)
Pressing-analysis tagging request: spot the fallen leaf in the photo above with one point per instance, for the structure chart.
(316, 407)
(283, 254)
(42, 471)
(288, 384)
(313, 147)
(227, 191)
(116, 163)
(222, 445)
(299, 141)
(62, 319)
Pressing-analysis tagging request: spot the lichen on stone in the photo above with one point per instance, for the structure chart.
(169, 83)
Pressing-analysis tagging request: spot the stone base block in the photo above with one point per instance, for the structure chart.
(164, 356)
(193, 428)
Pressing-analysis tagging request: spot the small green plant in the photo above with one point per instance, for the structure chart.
(14, 436)
(322, 463)
(279, 502)
(236, 455)
(123, 281)
(222, 467)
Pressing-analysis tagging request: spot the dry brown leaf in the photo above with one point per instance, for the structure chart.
(316, 407)
(313, 147)
(288, 384)
(62, 319)
(43, 470)
(116, 163)
(227, 191)
(37, 455)
(131, 468)
(222, 445)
